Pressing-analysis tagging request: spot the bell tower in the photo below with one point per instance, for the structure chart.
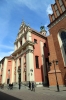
(43, 31)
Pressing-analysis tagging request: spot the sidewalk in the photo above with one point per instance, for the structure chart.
(41, 93)
(52, 91)
(43, 90)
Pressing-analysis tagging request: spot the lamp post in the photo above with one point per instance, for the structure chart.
(55, 62)
(19, 72)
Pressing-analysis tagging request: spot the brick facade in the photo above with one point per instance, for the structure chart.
(55, 50)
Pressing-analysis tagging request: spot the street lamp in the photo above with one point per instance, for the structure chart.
(19, 72)
(55, 62)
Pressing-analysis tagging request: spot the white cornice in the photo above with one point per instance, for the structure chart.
(25, 51)
(23, 46)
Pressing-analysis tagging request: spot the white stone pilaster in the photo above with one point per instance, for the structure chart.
(22, 69)
(4, 71)
(29, 65)
(13, 69)
(17, 71)
(29, 38)
(15, 47)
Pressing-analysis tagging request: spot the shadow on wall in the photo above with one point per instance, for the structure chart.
(65, 79)
(4, 96)
(42, 73)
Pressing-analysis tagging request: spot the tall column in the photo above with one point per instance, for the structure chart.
(4, 71)
(13, 69)
(17, 71)
(29, 65)
(22, 69)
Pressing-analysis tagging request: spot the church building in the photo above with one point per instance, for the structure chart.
(38, 57)
(28, 61)
(57, 44)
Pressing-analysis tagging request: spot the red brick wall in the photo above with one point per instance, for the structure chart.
(55, 52)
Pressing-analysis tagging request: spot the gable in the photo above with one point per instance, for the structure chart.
(22, 30)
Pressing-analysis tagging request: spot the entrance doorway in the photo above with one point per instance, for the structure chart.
(8, 80)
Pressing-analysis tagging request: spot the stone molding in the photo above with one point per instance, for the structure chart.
(59, 19)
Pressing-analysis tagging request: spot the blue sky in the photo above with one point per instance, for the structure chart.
(12, 12)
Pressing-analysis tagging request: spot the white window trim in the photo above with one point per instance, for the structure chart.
(62, 48)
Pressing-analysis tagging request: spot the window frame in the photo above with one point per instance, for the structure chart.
(35, 41)
(37, 62)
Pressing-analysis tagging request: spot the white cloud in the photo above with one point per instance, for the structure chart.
(5, 12)
(49, 10)
(3, 29)
(47, 33)
(6, 47)
(10, 52)
(3, 54)
(0, 58)
(37, 6)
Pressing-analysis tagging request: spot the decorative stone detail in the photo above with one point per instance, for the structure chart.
(63, 16)
(25, 51)
(29, 50)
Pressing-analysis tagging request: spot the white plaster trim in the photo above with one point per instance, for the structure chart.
(29, 38)
(4, 71)
(13, 68)
(29, 66)
(17, 70)
(39, 84)
(22, 66)
(18, 44)
(62, 49)
(22, 53)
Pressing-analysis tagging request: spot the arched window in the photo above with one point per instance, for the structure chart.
(63, 38)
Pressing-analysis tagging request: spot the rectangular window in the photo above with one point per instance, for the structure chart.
(37, 62)
(35, 41)
(44, 44)
(20, 43)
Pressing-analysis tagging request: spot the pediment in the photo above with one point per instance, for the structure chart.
(23, 29)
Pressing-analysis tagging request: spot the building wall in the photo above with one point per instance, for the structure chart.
(7, 70)
(55, 52)
(39, 51)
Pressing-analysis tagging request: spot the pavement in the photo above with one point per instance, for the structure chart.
(41, 93)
